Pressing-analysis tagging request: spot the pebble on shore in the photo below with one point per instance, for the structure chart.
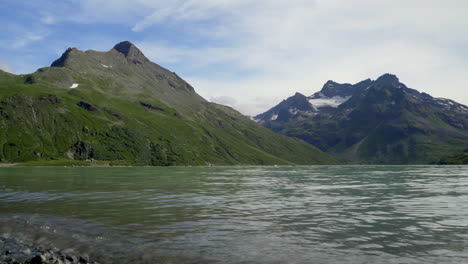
(13, 251)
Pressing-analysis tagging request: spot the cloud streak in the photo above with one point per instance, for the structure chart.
(26, 39)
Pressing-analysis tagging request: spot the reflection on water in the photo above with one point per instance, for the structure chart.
(319, 214)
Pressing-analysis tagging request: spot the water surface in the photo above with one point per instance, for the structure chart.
(304, 214)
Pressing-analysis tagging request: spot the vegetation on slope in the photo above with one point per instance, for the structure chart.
(129, 111)
(455, 159)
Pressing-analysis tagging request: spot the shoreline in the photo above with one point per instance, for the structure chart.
(25, 165)
(3, 165)
(13, 251)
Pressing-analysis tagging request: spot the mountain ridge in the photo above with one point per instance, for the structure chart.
(377, 122)
(118, 106)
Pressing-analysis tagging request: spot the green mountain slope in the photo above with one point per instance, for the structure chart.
(374, 122)
(455, 159)
(118, 106)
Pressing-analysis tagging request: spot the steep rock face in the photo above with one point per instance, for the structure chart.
(118, 106)
(379, 122)
(129, 50)
(60, 62)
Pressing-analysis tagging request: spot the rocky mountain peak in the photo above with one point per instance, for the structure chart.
(76, 58)
(60, 62)
(388, 79)
(363, 84)
(130, 51)
(126, 48)
(331, 88)
(329, 84)
(299, 95)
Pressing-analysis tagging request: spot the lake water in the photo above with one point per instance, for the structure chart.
(304, 214)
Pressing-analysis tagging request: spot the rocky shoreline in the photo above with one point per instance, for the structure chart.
(15, 252)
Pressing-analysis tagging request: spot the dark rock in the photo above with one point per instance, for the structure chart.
(125, 47)
(189, 87)
(39, 259)
(60, 62)
(83, 150)
(112, 112)
(84, 259)
(131, 52)
(72, 259)
(150, 106)
(51, 98)
(171, 84)
(87, 106)
(29, 79)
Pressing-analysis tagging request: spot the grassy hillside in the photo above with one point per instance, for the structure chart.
(122, 115)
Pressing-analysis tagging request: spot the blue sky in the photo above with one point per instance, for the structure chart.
(251, 54)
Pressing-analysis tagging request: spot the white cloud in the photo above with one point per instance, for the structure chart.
(5, 67)
(298, 45)
(248, 106)
(48, 20)
(27, 38)
(250, 96)
(224, 100)
(295, 45)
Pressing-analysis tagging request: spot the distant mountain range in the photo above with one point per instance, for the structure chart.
(373, 122)
(119, 107)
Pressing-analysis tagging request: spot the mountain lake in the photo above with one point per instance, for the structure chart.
(284, 214)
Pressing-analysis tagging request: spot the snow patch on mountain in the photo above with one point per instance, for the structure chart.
(274, 117)
(450, 105)
(293, 111)
(73, 86)
(444, 102)
(334, 101)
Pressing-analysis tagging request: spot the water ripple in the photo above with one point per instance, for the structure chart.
(324, 214)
